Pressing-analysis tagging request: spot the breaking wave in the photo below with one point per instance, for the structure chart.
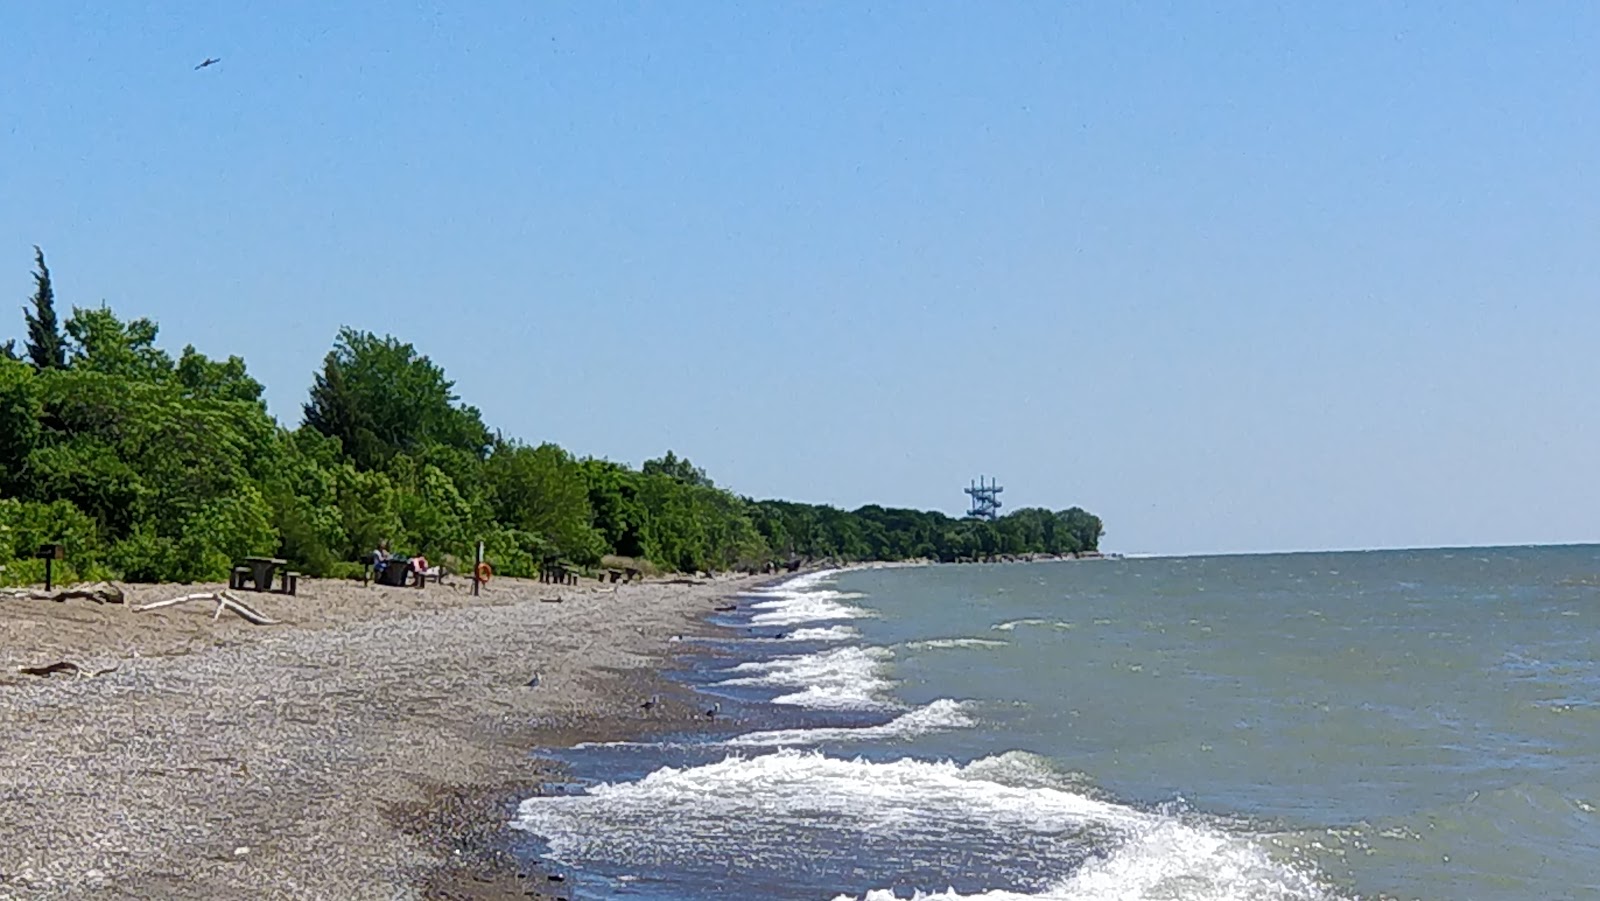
(847, 678)
(1009, 814)
(940, 716)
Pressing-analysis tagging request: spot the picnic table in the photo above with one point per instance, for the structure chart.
(258, 573)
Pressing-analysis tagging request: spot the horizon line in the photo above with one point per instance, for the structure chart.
(1140, 555)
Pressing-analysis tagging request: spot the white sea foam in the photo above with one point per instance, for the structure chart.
(848, 678)
(825, 633)
(940, 716)
(806, 607)
(804, 599)
(729, 798)
(803, 583)
(583, 745)
(1163, 859)
(761, 807)
(1009, 626)
(950, 643)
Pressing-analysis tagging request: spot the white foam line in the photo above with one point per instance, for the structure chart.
(940, 716)
(808, 609)
(894, 795)
(720, 808)
(847, 678)
(826, 633)
(1009, 626)
(1163, 859)
(939, 644)
(585, 745)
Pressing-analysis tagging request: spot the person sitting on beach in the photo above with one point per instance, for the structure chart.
(380, 556)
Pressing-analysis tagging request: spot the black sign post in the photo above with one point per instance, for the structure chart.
(50, 553)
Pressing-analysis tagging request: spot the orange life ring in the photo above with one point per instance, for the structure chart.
(482, 572)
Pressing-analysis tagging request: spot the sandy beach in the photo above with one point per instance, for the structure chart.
(373, 745)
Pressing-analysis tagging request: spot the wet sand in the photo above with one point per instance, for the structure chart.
(374, 745)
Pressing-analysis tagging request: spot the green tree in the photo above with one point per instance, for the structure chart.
(674, 467)
(174, 482)
(20, 410)
(618, 513)
(302, 491)
(1084, 528)
(732, 539)
(204, 378)
(379, 397)
(434, 517)
(46, 348)
(100, 342)
(542, 491)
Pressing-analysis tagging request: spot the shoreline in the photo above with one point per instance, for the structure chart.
(374, 745)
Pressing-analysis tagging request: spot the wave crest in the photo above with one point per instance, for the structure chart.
(940, 716)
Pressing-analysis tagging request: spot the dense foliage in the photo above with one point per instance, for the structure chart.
(153, 469)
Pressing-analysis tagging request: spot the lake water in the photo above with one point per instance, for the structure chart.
(1406, 724)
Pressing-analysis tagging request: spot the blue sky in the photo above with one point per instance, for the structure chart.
(1235, 277)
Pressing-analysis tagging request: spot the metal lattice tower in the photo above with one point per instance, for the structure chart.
(985, 499)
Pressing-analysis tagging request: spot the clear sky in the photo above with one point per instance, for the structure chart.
(1237, 277)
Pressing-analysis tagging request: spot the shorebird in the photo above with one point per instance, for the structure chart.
(715, 709)
(210, 61)
(650, 702)
(534, 682)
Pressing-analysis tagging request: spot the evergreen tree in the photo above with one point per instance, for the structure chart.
(46, 347)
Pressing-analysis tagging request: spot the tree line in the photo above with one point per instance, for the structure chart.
(150, 467)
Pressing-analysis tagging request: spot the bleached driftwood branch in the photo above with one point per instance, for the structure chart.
(153, 605)
(99, 592)
(224, 600)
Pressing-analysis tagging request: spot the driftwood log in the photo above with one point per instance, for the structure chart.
(99, 592)
(225, 600)
(64, 666)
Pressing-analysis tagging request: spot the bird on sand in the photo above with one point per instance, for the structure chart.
(210, 61)
(714, 710)
(650, 703)
(534, 682)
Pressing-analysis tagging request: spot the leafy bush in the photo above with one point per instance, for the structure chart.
(27, 526)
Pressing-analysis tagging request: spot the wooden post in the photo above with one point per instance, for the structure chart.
(51, 553)
(475, 582)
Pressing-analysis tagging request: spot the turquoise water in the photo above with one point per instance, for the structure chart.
(1416, 724)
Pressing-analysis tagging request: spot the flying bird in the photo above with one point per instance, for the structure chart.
(210, 61)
